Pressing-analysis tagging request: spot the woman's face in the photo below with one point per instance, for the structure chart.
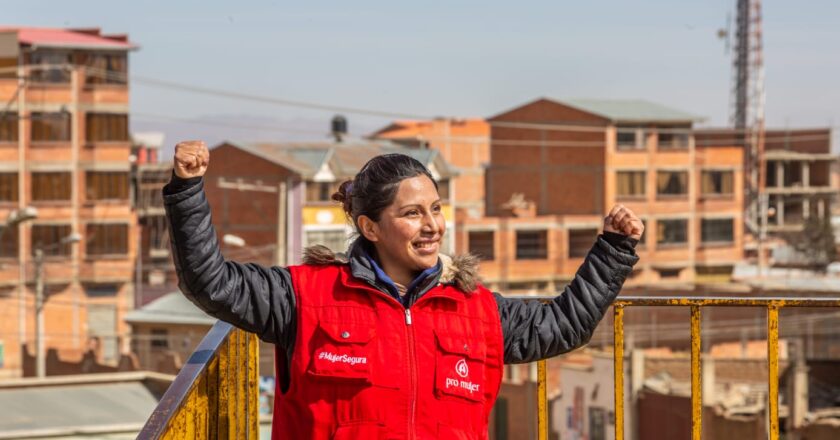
(409, 231)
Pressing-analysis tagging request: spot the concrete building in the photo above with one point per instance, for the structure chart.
(155, 272)
(64, 151)
(557, 167)
(275, 197)
(166, 331)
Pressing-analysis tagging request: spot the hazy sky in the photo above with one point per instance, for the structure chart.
(446, 58)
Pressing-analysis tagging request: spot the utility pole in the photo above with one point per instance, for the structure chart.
(40, 362)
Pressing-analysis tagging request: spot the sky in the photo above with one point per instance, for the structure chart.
(434, 58)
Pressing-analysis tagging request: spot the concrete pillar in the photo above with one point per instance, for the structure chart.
(798, 389)
(708, 376)
(780, 174)
(780, 211)
(821, 208)
(637, 372)
(806, 174)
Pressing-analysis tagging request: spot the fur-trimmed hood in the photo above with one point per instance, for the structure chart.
(460, 270)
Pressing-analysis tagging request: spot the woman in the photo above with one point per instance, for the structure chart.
(395, 340)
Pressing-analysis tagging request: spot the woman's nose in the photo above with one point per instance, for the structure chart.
(431, 223)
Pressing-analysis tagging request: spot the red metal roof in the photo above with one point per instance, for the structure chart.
(69, 38)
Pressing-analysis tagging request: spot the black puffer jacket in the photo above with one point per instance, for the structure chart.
(261, 300)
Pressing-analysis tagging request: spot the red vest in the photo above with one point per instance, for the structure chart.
(364, 367)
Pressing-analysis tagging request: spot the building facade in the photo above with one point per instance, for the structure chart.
(556, 169)
(64, 153)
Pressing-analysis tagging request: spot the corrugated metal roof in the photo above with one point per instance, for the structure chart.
(65, 409)
(172, 308)
(631, 110)
(67, 38)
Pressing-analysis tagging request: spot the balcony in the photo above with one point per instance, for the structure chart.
(216, 393)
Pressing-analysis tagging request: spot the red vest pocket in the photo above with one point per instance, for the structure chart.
(359, 431)
(342, 351)
(459, 366)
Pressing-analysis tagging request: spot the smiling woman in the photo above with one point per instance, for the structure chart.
(393, 339)
(395, 207)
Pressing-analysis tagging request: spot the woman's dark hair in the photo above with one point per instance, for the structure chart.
(376, 185)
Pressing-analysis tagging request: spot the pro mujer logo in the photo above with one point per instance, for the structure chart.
(462, 369)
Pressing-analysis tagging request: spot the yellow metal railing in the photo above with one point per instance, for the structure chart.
(696, 304)
(215, 395)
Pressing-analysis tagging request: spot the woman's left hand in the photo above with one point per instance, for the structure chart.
(621, 220)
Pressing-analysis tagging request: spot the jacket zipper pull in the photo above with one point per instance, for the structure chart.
(408, 317)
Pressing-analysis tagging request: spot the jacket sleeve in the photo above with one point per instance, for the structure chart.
(535, 330)
(254, 298)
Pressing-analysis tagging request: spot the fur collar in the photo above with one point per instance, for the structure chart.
(461, 270)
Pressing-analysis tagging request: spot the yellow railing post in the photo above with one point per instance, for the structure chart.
(773, 370)
(696, 381)
(215, 395)
(542, 401)
(618, 366)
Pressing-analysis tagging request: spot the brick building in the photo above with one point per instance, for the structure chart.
(557, 167)
(64, 151)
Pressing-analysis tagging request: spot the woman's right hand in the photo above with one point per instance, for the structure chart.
(191, 159)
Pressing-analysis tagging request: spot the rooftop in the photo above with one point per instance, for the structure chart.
(172, 308)
(91, 38)
(336, 160)
(78, 405)
(631, 110)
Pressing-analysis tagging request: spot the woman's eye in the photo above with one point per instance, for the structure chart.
(436, 208)
(412, 213)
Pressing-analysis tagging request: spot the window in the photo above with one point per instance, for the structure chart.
(717, 183)
(672, 140)
(50, 186)
(8, 127)
(160, 338)
(597, 423)
(49, 239)
(672, 232)
(482, 244)
(104, 127)
(630, 184)
(9, 242)
(102, 290)
(717, 230)
(106, 68)
(106, 185)
(443, 189)
(50, 127)
(643, 240)
(669, 273)
(672, 183)
(107, 239)
(320, 191)
(53, 67)
(720, 272)
(531, 245)
(629, 138)
(336, 240)
(8, 187)
(580, 241)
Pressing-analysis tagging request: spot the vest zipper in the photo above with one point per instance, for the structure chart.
(412, 429)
